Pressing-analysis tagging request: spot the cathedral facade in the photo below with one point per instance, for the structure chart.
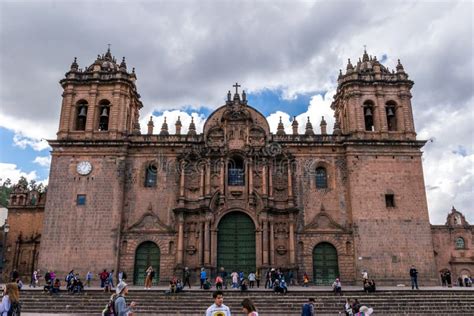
(237, 195)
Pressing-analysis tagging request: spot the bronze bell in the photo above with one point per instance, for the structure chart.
(82, 112)
(368, 112)
(390, 112)
(104, 112)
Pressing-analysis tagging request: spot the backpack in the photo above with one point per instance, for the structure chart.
(152, 274)
(15, 309)
(109, 309)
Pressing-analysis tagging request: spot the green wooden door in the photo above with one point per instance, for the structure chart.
(236, 243)
(147, 254)
(325, 264)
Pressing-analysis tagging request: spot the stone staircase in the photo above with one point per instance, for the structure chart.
(393, 302)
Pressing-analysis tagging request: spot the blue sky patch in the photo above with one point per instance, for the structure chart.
(23, 158)
(268, 101)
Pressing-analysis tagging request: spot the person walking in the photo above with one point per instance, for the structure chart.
(150, 273)
(10, 304)
(203, 277)
(248, 307)
(252, 279)
(337, 287)
(111, 279)
(186, 277)
(34, 279)
(224, 275)
(88, 278)
(120, 304)
(308, 308)
(103, 277)
(414, 278)
(218, 308)
(235, 279)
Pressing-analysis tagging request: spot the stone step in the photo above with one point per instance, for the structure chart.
(268, 303)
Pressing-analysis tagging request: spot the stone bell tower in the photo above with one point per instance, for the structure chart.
(100, 101)
(373, 102)
(99, 114)
(386, 190)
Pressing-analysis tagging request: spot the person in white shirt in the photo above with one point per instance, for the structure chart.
(218, 308)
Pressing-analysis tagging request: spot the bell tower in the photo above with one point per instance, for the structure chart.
(100, 101)
(373, 102)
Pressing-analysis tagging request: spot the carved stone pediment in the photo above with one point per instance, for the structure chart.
(323, 222)
(215, 137)
(236, 113)
(149, 222)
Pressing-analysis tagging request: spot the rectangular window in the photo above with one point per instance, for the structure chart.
(389, 200)
(81, 199)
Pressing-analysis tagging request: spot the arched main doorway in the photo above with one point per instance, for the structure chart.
(147, 254)
(236, 243)
(325, 264)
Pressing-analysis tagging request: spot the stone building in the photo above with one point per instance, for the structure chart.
(25, 226)
(453, 244)
(236, 195)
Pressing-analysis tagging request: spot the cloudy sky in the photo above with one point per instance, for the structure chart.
(286, 55)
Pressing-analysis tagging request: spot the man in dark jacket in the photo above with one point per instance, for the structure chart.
(414, 278)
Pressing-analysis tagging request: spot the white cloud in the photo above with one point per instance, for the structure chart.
(448, 162)
(12, 172)
(319, 106)
(43, 161)
(36, 144)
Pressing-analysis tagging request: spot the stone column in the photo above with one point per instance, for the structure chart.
(68, 113)
(91, 120)
(213, 259)
(290, 181)
(272, 244)
(258, 243)
(208, 177)
(201, 184)
(181, 181)
(223, 165)
(291, 241)
(270, 180)
(265, 242)
(250, 176)
(264, 179)
(382, 114)
(201, 244)
(207, 243)
(179, 257)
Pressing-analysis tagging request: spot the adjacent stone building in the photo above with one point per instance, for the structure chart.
(236, 195)
(23, 236)
(453, 244)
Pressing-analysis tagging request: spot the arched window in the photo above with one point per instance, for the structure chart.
(104, 111)
(460, 244)
(236, 171)
(369, 116)
(150, 175)
(391, 114)
(321, 178)
(81, 115)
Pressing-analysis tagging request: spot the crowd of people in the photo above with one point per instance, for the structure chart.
(275, 280)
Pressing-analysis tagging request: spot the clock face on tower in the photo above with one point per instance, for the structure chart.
(84, 168)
